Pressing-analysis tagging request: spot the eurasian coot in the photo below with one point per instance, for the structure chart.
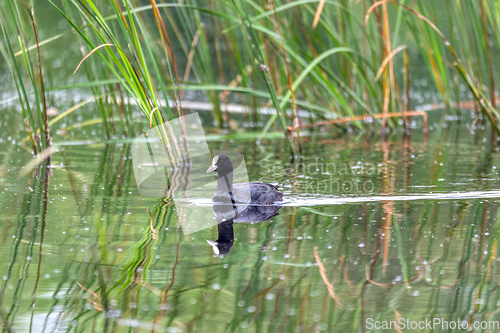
(254, 193)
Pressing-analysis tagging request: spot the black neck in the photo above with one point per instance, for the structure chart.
(225, 182)
(226, 232)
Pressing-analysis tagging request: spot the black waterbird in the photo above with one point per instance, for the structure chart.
(254, 193)
(241, 203)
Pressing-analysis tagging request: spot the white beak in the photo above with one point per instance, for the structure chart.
(213, 244)
(213, 167)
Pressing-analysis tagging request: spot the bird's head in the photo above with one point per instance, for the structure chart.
(221, 164)
(220, 248)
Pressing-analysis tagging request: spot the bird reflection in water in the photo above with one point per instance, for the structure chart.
(239, 203)
(252, 214)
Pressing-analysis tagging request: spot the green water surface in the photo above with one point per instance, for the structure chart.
(415, 240)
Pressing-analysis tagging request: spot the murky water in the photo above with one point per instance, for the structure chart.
(372, 232)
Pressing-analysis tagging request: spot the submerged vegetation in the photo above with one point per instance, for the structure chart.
(341, 61)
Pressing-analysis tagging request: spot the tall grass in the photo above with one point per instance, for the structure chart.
(110, 41)
(342, 61)
(19, 30)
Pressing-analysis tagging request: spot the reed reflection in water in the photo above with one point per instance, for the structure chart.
(93, 255)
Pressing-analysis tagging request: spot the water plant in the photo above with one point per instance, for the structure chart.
(346, 62)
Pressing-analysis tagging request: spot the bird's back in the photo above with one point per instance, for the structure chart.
(260, 193)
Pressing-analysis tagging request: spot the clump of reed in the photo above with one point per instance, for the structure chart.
(342, 61)
(18, 32)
